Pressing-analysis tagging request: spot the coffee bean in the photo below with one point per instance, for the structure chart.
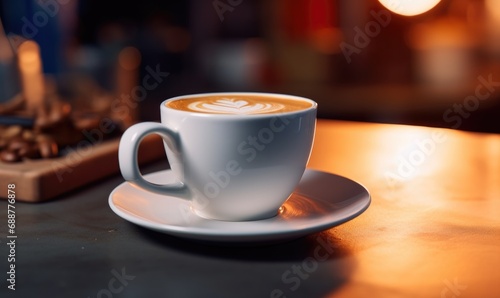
(47, 148)
(28, 135)
(43, 137)
(18, 143)
(86, 122)
(8, 156)
(12, 131)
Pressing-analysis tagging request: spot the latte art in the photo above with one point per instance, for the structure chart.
(234, 106)
(239, 104)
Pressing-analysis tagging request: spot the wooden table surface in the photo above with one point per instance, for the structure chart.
(433, 228)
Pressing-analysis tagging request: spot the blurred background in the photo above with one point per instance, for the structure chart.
(434, 63)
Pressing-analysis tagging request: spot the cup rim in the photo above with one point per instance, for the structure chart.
(314, 105)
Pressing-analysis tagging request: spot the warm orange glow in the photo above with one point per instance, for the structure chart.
(327, 40)
(493, 9)
(323, 34)
(299, 206)
(30, 66)
(409, 7)
(433, 230)
(129, 58)
(29, 57)
(442, 33)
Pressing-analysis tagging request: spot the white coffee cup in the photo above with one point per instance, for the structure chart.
(231, 164)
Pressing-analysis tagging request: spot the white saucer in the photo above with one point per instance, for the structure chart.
(321, 201)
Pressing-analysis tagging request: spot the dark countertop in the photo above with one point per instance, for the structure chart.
(430, 232)
(76, 247)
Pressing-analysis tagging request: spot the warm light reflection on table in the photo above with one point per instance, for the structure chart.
(435, 214)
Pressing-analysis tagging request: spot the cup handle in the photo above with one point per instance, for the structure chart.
(129, 166)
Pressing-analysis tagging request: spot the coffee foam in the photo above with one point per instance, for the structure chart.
(239, 104)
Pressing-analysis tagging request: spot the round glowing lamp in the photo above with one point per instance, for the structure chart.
(409, 7)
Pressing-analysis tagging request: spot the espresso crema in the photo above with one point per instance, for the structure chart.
(239, 104)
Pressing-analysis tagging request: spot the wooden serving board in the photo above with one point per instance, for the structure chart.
(45, 179)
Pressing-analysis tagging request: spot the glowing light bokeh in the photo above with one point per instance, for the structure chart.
(493, 9)
(409, 7)
(31, 71)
